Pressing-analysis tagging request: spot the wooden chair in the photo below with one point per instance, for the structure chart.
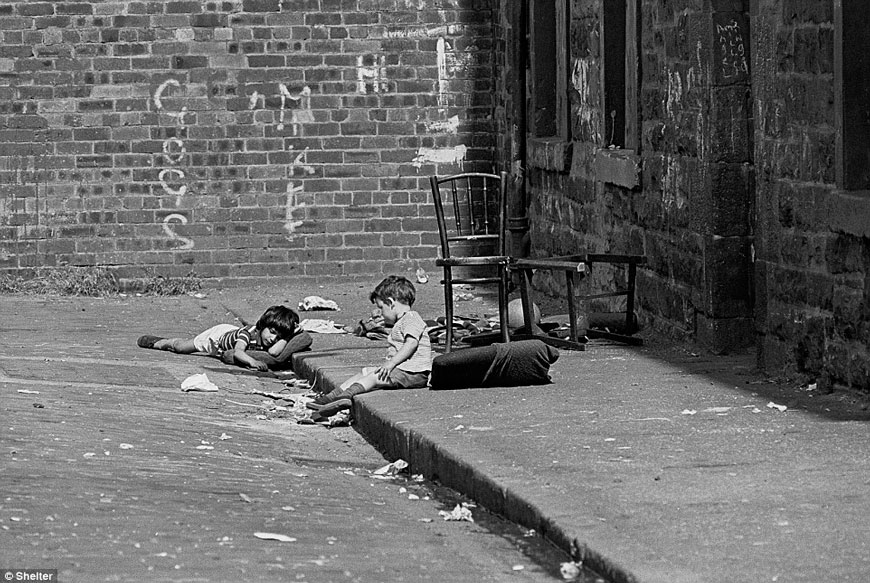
(470, 209)
(578, 266)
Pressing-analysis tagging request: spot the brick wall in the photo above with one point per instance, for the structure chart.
(237, 138)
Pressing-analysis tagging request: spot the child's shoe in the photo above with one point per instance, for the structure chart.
(331, 409)
(147, 341)
(325, 398)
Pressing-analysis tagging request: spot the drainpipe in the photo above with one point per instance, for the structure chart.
(516, 60)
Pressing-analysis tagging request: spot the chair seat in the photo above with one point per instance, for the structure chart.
(480, 260)
(473, 280)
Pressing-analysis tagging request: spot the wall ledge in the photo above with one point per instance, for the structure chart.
(848, 212)
(619, 167)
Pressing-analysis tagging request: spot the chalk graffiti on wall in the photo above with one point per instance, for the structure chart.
(170, 232)
(171, 178)
(454, 155)
(294, 191)
(371, 74)
(441, 48)
(733, 50)
(300, 103)
(300, 114)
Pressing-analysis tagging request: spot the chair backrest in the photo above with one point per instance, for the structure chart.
(471, 207)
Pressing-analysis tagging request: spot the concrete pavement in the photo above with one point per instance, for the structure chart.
(653, 464)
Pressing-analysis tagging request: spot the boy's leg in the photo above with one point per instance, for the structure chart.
(177, 345)
(356, 385)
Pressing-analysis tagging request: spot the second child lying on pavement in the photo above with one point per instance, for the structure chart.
(409, 351)
(268, 344)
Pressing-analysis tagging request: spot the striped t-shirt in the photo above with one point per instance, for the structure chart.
(248, 333)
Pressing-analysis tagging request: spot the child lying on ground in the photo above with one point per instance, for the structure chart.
(409, 354)
(267, 344)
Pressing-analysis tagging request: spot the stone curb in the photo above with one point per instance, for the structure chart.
(435, 462)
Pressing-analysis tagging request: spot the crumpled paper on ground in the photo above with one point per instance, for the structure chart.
(391, 469)
(198, 382)
(317, 303)
(461, 512)
(321, 326)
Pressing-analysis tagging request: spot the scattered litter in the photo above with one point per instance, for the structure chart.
(288, 508)
(459, 428)
(422, 276)
(321, 326)
(425, 520)
(198, 382)
(402, 490)
(225, 437)
(460, 512)
(125, 446)
(473, 428)
(529, 533)
(517, 568)
(280, 396)
(391, 469)
(413, 497)
(39, 406)
(274, 536)
(249, 405)
(298, 384)
(89, 454)
(418, 478)
(780, 408)
(204, 447)
(610, 439)
(26, 392)
(688, 412)
(812, 387)
(245, 498)
(716, 409)
(571, 570)
(310, 303)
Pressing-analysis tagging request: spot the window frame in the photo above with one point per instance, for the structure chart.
(548, 63)
(626, 82)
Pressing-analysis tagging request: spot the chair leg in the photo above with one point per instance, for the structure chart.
(629, 301)
(448, 309)
(528, 302)
(503, 303)
(572, 308)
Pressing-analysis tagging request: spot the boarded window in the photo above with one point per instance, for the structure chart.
(619, 40)
(549, 63)
(852, 87)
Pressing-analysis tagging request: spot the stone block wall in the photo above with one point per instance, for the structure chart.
(237, 138)
(813, 249)
(684, 196)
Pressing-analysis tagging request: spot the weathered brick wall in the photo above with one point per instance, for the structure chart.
(813, 249)
(237, 138)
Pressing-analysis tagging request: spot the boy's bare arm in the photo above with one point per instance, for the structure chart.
(243, 357)
(404, 353)
(275, 349)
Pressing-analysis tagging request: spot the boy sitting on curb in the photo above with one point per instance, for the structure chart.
(409, 352)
